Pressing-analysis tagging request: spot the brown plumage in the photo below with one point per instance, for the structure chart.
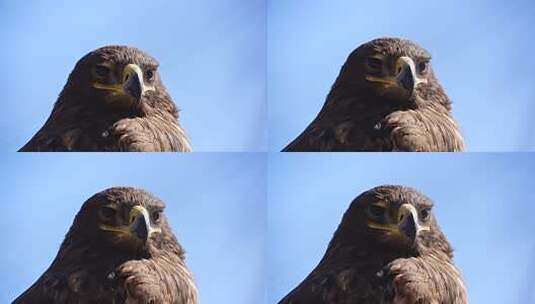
(114, 100)
(388, 249)
(119, 249)
(386, 98)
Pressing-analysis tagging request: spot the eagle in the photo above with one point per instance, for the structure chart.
(388, 249)
(386, 98)
(119, 249)
(114, 100)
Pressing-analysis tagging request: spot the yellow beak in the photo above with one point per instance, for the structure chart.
(131, 85)
(139, 227)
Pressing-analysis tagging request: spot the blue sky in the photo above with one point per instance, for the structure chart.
(483, 202)
(215, 205)
(211, 53)
(481, 55)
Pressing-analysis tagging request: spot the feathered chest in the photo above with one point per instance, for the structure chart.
(152, 133)
(399, 130)
(348, 285)
(83, 276)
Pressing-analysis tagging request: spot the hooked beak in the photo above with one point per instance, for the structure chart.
(140, 226)
(133, 81)
(405, 73)
(406, 77)
(401, 82)
(137, 230)
(131, 85)
(408, 222)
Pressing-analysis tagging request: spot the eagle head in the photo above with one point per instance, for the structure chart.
(395, 220)
(394, 70)
(118, 79)
(127, 219)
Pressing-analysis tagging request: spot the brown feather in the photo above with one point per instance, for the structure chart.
(369, 266)
(360, 115)
(96, 266)
(83, 119)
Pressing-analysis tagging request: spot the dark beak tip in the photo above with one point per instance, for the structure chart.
(407, 81)
(140, 229)
(133, 87)
(408, 227)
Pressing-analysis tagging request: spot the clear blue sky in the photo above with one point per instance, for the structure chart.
(481, 53)
(484, 203)
(211, 53)
(215, 205)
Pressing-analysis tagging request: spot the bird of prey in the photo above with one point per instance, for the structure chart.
(114, 100)
(119, 249)
(388, 249)
(386, 98)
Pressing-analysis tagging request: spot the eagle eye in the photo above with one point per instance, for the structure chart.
(376, 212)
(102, 71)
(107, 213)
(149, 75)
(422, 66)
(374, 63)
(156, 215)
(424, 214)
